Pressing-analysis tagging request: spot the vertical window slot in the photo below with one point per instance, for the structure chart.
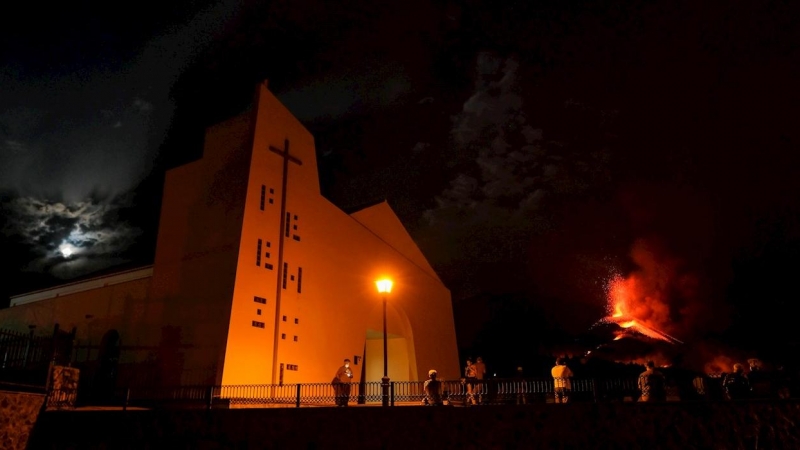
(263, 196)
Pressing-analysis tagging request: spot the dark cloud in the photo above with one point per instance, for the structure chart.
(97, 128)
(77, 141)
(507, 173)
(69, 239)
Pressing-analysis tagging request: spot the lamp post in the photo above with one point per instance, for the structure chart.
(384, 288)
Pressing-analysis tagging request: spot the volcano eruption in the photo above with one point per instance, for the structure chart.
(622, 307)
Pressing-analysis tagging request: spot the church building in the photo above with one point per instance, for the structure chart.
(257, 278)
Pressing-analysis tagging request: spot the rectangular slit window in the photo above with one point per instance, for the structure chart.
(258, 324)
(296, 320)
(258, 253)
(268, 266)
(295, 338)
(284, 318)
(285, 269)
(283, 335)
(296, 237)
(263, 195)
(261, 300)
(299, 282)
(258, 312)
(288, 217)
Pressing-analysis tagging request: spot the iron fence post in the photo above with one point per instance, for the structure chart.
(297, 397)
(127, 399)
(594, 390)
(209, 397)
(391, 393)
(28, 345)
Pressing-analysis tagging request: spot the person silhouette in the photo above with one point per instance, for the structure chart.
(433, 389)
(341, 385)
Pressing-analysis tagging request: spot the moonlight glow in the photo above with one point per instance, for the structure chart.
(66, 250)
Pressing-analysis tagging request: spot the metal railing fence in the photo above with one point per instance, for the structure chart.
(454, 392)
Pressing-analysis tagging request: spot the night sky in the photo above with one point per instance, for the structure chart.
(534, 150)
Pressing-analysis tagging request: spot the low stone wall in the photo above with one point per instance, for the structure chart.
(762, 425)
(18, 412)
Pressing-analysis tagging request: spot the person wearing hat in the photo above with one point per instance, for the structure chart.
(433, 390)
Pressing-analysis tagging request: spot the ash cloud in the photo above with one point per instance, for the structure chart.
(505, 173)
(664, 293)
(353, 91)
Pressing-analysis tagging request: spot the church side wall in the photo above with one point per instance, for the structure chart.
(198, 246)
(120, 307)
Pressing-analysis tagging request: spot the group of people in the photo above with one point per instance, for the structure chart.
(474, 376)
(651, 383)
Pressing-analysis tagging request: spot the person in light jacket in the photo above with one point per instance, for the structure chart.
(562, 383)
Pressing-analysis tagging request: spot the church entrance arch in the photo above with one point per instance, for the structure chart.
(401, 357)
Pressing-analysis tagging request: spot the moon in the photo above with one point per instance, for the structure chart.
(66, 250)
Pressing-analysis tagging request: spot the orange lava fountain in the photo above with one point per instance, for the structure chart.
(621, 301)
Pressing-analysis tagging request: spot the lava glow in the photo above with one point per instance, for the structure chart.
(622, 302)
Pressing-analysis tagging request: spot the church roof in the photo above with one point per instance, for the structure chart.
(350, 210)
(382, 221)
(83, 285)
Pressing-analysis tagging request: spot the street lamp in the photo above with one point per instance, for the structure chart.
(384, 288)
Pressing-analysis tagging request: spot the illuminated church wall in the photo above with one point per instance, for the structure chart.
(329, 301)
(208, 313)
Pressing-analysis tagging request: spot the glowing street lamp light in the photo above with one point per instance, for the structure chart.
(385, 287)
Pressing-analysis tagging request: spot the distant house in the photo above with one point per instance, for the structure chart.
(257, 278)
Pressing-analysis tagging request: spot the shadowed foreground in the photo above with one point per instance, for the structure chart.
(614, 425)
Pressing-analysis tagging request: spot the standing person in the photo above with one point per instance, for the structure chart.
(562, 383)
(736, 384)
(433, 389)
(652, 384)
(520, 387)
(480, 376)
(760, 382)
(341, 385)
(470, 376)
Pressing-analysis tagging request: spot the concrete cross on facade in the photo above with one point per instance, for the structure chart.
(283, 153)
